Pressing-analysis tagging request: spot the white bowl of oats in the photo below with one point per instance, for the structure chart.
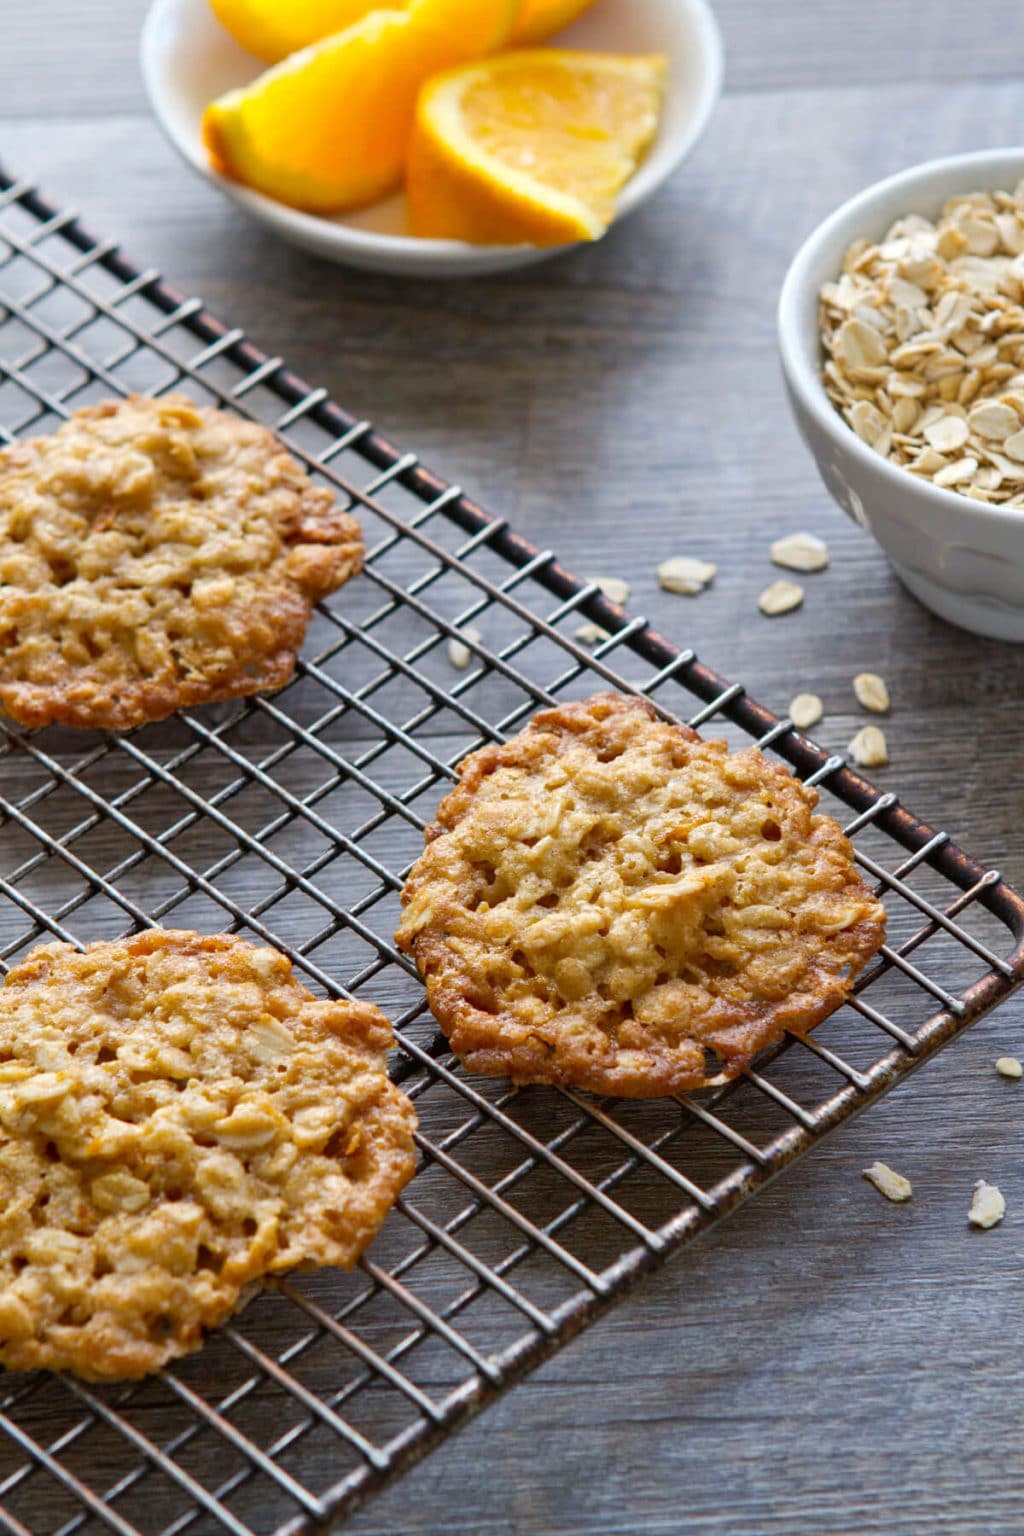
(901, 326)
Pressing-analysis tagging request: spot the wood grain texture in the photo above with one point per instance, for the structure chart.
(826, 1363)
(54, 55)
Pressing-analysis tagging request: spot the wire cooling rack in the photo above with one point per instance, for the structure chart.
(293, 818)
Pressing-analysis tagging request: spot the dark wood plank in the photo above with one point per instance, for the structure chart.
(826, 1362)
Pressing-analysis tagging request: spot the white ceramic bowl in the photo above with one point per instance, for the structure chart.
(187, 59)
(963, 559)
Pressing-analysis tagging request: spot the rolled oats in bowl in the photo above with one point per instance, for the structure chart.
(923, 335)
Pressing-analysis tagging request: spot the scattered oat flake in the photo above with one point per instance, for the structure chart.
(800, 552)
(614, 588)
(889, 1183)
(780, 597)
(1009, 1066)
(869, 748)
(988, 1206)
(871, 692)
(459, 653)
(591, 634)
(806, 710)
(685, 574)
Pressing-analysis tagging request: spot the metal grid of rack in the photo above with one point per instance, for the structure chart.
(292, 818)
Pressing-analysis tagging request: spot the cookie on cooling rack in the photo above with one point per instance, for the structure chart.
(609, 902)
(155, 554)
(178, 1117)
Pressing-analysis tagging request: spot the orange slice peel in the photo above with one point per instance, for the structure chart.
(531, 147)
(328, 128)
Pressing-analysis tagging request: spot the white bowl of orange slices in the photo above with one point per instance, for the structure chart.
(435, 138)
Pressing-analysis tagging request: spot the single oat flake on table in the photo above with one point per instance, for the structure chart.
(459, 653)
(685, 574)
(871, 692)
(869, 748)
(803, 552)
(591, 634)
(780, 597)
(988, 1206)
(806, 710)
(613, 587)
(923, 335)
(889, 1183)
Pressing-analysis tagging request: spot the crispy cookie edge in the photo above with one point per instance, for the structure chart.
(330, 547)
(107, 1355)
(604, 717)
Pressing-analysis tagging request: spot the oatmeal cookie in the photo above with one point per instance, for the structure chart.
(155, 554)
(605, 899)
(178, 1117)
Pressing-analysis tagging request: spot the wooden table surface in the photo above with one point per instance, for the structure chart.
(826, 1363)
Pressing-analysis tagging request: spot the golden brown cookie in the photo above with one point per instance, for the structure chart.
(606, 898)
(155, 554)
(178, 1117)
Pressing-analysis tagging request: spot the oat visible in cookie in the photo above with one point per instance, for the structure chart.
(155, 554)
(607, 901)
(178, 1117)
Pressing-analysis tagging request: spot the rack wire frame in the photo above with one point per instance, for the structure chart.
(533, 1210)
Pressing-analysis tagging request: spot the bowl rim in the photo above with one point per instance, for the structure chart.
(805, 378)
(652, 173)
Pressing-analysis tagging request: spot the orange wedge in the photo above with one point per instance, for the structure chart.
(540, 19)
(328, 129)
(272, 29)
(532, 147)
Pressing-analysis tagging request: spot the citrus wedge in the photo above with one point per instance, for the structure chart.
(469, 28)
(328, 128)
(540, 19)
(272, 29)
(531, 147)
